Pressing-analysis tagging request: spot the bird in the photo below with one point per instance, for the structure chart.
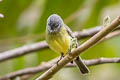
(61, 40)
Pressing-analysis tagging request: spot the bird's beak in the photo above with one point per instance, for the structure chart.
(51, 31)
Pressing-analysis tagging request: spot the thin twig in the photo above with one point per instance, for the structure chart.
(110, 35)
(27, 49)
(46, 66)
(89, 43)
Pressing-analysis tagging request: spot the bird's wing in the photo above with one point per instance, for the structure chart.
(83, 68)
(69, 31)
(74, 43)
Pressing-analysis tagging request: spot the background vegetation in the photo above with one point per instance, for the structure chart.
(25, 22)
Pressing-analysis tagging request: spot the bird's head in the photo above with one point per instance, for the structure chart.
(54, 23)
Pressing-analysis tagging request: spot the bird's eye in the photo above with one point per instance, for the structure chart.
(56, 25)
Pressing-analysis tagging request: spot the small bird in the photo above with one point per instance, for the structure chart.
(61, 40)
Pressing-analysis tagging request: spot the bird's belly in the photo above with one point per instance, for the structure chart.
(60, 44)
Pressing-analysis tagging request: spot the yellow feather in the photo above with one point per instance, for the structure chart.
(59, 42)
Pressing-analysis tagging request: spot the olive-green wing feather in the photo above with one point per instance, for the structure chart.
(82, 67)
(69, 31)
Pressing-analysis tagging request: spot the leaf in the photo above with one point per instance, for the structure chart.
(106, 21)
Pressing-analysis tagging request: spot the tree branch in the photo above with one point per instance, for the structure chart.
(45, 66)
(92, 41)
(27, 49)
(22, 50)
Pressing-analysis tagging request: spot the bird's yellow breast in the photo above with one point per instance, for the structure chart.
(59, 42)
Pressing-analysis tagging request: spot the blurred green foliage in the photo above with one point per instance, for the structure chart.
(11, 10)
(25, 23)
(61, 7)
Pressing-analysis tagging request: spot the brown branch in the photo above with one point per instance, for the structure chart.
(92, 41)
(22, 50)
(90, 32)
(111, 35)
(46, 66)
(27, 49)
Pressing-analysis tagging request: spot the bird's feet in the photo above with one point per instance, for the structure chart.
(62, 55)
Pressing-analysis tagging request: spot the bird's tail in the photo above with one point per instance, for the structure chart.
(82, 67)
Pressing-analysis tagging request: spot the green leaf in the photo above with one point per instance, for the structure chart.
(106, 21)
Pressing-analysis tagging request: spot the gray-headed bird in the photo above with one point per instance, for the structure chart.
(61, 40)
